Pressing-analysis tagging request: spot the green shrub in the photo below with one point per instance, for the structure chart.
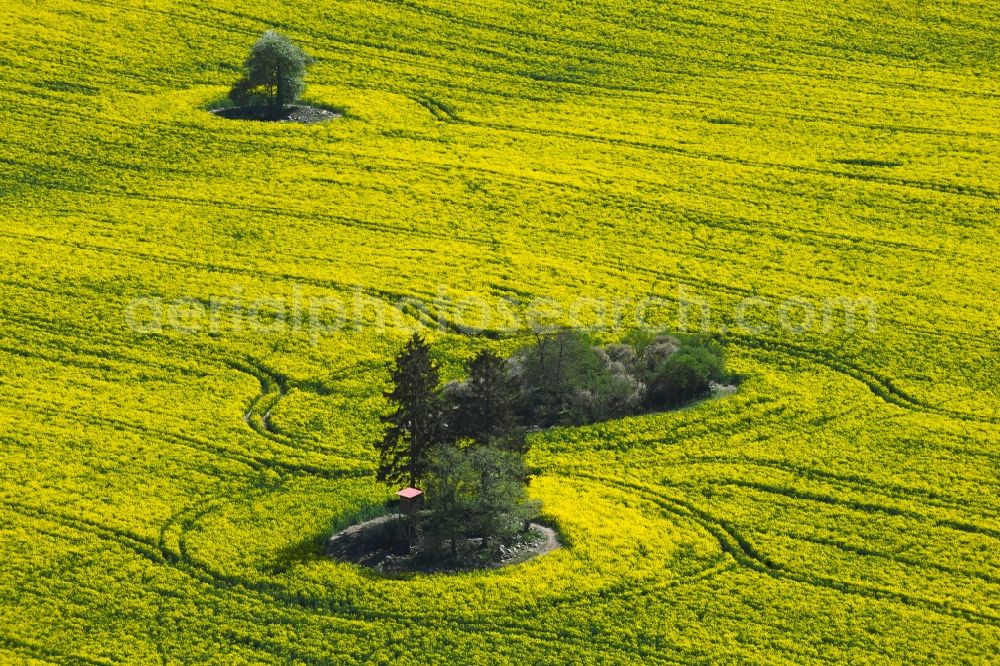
(683, 375)
(564, 379)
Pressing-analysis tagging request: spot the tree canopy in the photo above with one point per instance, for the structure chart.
(483, 409)
(273, 74)
(415, 424)
(477, 491)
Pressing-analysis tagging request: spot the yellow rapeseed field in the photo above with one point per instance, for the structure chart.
(197, 317)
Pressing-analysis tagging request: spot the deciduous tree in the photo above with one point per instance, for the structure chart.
(477, 491)
(273, 74)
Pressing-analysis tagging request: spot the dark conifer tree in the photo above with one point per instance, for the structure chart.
(415, 425)
(484, 411)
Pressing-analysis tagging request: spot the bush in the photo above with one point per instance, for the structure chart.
(564, 379)
(683, 375)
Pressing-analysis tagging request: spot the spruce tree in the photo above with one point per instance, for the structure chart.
(415, 425)
(484, 410)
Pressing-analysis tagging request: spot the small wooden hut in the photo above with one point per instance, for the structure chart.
(410, 501)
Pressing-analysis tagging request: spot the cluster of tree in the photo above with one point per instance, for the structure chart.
(465, 442)
(273, 74)
(565, 379)
(465, 448)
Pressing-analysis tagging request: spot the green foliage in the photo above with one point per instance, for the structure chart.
(476, 492)
(415, 424)
(565, 379)
(555, 375)
(449, 488)
(483, 408)
(500, 506)
(682, 375)
(273, 74)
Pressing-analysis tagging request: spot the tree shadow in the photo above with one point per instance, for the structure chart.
(309, 548)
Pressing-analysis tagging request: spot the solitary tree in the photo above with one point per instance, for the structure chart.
(415, 425)
(272, 74)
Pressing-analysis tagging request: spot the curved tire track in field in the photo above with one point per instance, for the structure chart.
(839, 481)
(881, 385)
(902, 560)
(864, 507)
(273, 387)
(257, 463)
(271, 594)
(740, 548)
(145, 548)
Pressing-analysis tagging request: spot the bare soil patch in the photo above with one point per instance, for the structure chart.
(299, 113)
(377, 544)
